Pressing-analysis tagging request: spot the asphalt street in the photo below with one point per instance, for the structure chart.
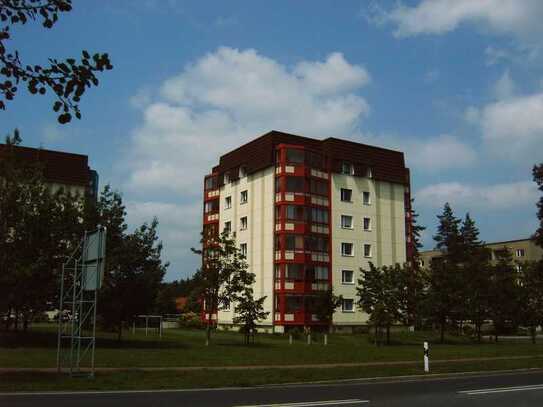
(524, 389)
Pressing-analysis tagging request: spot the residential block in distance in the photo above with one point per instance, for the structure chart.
(308, 214)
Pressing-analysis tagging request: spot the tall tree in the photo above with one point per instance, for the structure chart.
(531, 294)
(538, 179)
(217, 283)
(504, 297)
(476, 276)
(134, 269)
(68, 79)
(325, 305)
(448, 236)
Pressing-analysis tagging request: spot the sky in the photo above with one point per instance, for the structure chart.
(457, 85)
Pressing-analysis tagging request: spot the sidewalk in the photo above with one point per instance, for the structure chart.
(263, 367)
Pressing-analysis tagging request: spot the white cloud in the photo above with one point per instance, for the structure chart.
(514, 127)
(491, 197)
(521, 18)
(230, 96)
(179, 229)
(434, 154)
(504, 88)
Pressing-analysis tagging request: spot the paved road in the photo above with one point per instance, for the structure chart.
(512, 389)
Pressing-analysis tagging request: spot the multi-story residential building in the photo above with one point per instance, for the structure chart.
(309, 214)
(521, 250)
(60, 170)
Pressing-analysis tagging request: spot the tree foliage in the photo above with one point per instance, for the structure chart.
(537, 173)
(325, 305)
(66, 79)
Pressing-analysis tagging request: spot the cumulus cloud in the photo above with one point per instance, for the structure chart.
(492, 197)
(179, 229)
(521, 18)
(514, 127)
(230, 96)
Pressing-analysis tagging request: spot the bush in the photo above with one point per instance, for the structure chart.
(191, 320)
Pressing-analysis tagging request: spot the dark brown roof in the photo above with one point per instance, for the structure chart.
(60, 167)
(386, 165)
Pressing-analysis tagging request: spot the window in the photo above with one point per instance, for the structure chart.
(321, 273)
(366, 199)
(226, 177)
(242, 171)
(243, 197)
(316, 244)
(296, 212)
(347, 276)
(295, 184)
(318, 187)
(243, 223)
(293, 303)
(227, 227)
(347, 249)
(346, 222)
(347, 168)
(211, 183)
(369, 172)
(243, 249)
(367, 250)
(347, 305)
(346, 195)
(294, 242)
(228, 202)
(295, 156)
(521, 253)
(211, 206)
(319, 215)
(366, 224)
(294, 271)
(518, 268)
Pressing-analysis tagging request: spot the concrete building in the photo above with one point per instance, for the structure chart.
(308, 214)
(522, 250)
(66, 170)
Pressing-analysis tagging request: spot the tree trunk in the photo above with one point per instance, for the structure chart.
(388, 334)
(478, 330)
(25, 323)
(120, 332)
(442, 332)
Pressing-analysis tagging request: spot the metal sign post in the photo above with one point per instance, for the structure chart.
(426, 358)
(81, 278)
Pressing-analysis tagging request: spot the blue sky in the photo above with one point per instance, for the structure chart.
(455, 84)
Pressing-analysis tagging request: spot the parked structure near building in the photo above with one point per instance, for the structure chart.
(60, 170)
(308, 214)
(522, 250)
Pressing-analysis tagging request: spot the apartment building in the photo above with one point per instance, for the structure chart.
(60, 170)
(308, 214)
(521, 250)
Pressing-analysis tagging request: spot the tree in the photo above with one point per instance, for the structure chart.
(134, 269)
(475, 269)
(417, 230)
(219, 279)
(504, 297)
(538, 179)
(448, 237)
(38, 228)
(68, 79)
(325, 305)
(410, 286)
(531, 292)
(377, 297)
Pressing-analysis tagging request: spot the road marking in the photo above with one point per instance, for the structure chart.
(312, 403)
(502, 390)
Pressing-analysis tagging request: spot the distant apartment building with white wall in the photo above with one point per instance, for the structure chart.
(309, 214)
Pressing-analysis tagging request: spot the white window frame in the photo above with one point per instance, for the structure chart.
(343, 280)
(521, 253)
(351, 223)
(368, 229)
(243, 249)
(226, 177)
(229, 228)
(352, 249)
(368, 202)
(343, 309)
(364, 250)
(243, 197)
(243, 223)
(351, 168)
(228, 202)
(341, 194)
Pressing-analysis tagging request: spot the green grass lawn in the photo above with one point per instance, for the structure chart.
(184, 347)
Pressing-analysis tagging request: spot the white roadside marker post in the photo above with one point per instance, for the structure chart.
(290, 339)
(426, 358)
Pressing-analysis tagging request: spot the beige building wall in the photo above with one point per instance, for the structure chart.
(386, 236)
(259, 234)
